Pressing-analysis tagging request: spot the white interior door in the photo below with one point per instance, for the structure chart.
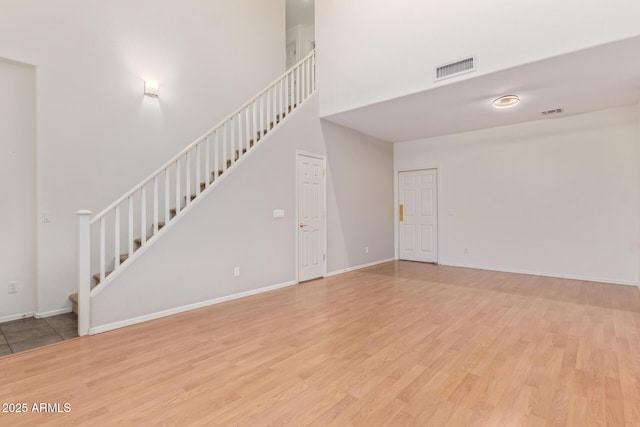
(311, 217)
(418, 216)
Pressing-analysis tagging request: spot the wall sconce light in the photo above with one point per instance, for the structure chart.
(151, 89)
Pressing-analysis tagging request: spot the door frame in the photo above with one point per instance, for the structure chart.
(396, 204)
(322, 157)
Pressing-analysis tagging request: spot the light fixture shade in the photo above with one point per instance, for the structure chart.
(506, 101)
(151, 89)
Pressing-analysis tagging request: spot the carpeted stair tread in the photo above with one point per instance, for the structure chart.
(96, 276)
(220, 172)
(74, 302)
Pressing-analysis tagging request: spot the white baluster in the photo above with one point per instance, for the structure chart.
(130, 238)
(267, 98)
(198, 169)
(313, 72)
(216, 159)
(103, 254)
(279, 97)
(232, 130)
(143, 215)
(207, 162)
(247, 127)
(303, 68)
(286, 95)
(293, 89)
(261, 114)
(224, 147)
(84, 272)
(274, 101)
(254, 130)
(309, 90)
(298, 86)
(178, 202)
(187, 181)
(155, 205)
(240, 144)
(281, 107)
(116, 240)
(167, 196)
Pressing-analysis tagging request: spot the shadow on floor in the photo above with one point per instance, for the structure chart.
(25, 334)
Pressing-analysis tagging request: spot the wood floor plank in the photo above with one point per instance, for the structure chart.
(399, 344)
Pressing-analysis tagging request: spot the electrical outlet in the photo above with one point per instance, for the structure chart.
(366, 249)
(46, 216)
(236, 271)
(12, 288)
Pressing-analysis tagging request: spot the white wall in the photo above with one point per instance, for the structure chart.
(360, 197)
(556, 197)
(637, 156)
(17, 189)
(374, 50)
(97, 135)
(233, 225)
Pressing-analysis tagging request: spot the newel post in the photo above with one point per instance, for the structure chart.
(84, 271)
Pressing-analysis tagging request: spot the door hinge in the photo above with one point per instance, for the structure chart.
(324, 257)
(401, 213)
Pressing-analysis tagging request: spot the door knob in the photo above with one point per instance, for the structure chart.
(302, 225)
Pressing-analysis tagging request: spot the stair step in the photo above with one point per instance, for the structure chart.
(161, 224)
(244, 150)
(74, 302)
(203, 186)
(96, 276)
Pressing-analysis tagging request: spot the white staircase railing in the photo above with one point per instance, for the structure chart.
(135, 219)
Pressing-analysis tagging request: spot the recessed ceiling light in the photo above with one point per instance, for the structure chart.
(506, 101)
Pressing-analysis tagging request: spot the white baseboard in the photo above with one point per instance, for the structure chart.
(538, 273)
(16, 317)
(176, 310)
(52, 313)
(359, 267)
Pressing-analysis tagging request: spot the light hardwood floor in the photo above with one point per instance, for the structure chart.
(397, 344)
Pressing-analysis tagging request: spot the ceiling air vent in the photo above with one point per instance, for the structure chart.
(452, 69)
(552, 112)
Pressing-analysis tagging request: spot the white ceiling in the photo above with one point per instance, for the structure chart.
(593, 79)
(299, 12)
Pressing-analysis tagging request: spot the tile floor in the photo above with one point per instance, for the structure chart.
(24, 334)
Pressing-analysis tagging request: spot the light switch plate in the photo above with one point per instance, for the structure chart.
(278, 213)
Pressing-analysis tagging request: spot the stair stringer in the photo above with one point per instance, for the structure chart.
(189, 263)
